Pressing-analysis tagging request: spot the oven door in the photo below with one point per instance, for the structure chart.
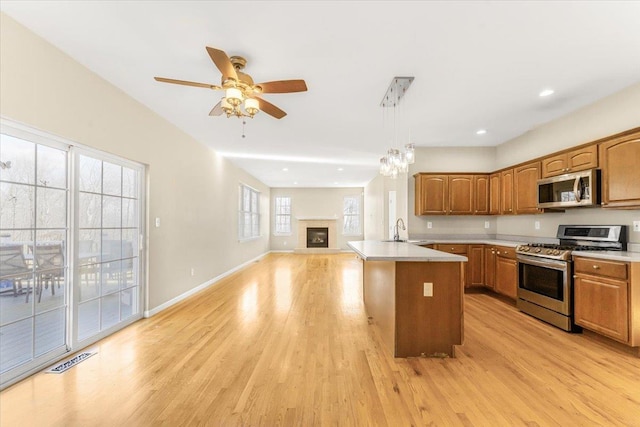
(545, 282)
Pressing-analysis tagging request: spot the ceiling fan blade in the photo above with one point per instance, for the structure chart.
(187, 83)
(223, 63)
(270, 109)
(217, 110)
(283, 86)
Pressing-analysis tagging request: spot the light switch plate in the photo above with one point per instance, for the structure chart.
(536, 225)
(636, 225)
(429, 224)
(487, 224)
(428, 289)
(157, 222)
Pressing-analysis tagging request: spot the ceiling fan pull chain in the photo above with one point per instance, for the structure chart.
(244, 122)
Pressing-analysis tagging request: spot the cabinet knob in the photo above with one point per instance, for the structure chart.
(453, 249)
(596, 267)
(498, 252)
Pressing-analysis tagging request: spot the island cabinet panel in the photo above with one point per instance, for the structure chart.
(379, 282)
(525, 188)
(428, 325)
(481, 194)
(573, 161)
(494, 194)
(506, 192)
(506, 272)
(619, 159)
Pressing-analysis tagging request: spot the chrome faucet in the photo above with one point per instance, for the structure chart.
(396, 231)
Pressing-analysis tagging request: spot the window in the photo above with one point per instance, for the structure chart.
(248, 213)
(351, 211)
(283, 215)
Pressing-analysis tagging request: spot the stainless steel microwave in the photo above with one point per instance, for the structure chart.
(570, 190)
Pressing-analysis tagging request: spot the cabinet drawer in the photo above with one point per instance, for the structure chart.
(506, 252)
(597, 267)
(452, 248)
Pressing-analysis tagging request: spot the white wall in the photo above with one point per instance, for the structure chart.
(314, 202)
(192, 189)
(374, 209)
(611, 115)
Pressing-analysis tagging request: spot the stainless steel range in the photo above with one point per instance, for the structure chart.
(545, 271)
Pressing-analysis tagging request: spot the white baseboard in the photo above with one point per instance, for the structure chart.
(210, 282)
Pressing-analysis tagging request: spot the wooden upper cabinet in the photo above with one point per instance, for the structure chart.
(506, 192)
(572, 161)
(481, 194)
(525, 188)
(619, 161)
(461, 194)
(431, 194)
(494, 193)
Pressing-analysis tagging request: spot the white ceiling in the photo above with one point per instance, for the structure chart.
(477, 64)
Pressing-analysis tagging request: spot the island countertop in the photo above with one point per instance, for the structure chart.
(376, 250)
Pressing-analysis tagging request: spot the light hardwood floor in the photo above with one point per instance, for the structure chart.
(286, 342)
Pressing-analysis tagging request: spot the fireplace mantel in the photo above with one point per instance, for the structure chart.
(317, 222)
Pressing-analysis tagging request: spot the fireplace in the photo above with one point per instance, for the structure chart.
(317, 237)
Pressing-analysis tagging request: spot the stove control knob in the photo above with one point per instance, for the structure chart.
(556, 252)
(537, 250)
(549, 251)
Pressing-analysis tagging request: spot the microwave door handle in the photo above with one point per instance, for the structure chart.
(576, 188)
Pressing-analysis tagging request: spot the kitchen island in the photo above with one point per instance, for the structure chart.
(414, 296)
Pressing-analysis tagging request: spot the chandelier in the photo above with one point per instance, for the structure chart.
(395, 162)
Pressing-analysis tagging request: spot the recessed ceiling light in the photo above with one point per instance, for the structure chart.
(335, 183)
(295, 182)
(546, 92)
(340, 169)
(285, 169)
(481, 131)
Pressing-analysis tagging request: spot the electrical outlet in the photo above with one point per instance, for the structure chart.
(487, 224)
(429, 224)
(536, 225)
(285, 243)
(636, 225)
(157, 222)
(428, 289)
(193, 272)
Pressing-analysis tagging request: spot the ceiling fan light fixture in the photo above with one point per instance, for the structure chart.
(251, 106)
(234, 96)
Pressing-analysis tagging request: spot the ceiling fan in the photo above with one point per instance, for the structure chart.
(241, 93)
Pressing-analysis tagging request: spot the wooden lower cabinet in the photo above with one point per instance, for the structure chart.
(600, 305)
(606, 298)
(490, 266)
(476, 265)
(506, 280)
(457, 249)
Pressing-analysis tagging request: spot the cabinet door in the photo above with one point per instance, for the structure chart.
(494, 194)
(601, 305)
(506, 277)
(461, 194)
(431, 194)
(525, 187)
(506, 192)
(554, 165)
(476, 265)
(583, 158)
(481, 194)
(490, 266)
(620, 171)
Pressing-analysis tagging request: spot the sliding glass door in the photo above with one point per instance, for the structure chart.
(108, 231)
(71, 269)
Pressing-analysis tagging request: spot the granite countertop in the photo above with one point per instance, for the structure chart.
(509, 243)
(610, 255)
(376, 250)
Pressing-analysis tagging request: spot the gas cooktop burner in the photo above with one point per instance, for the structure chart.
(578, 238)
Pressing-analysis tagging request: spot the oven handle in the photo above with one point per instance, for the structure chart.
(555, 265)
